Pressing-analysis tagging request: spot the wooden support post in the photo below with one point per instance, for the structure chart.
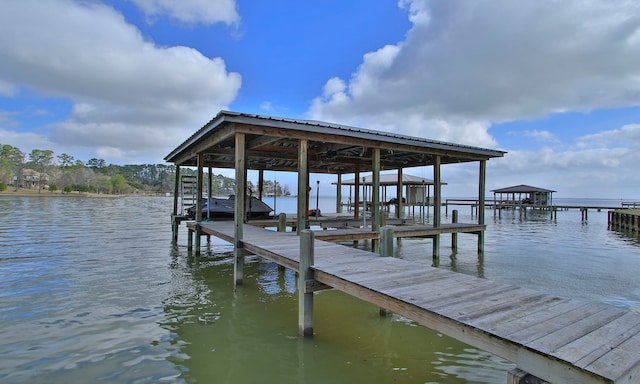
(303, 185)
(240, 213)
(375, 198)
(209, 192)
(175, 224)
(305, 300)
(356, 193)
(282, 227)
(190, 241)
(436, 246)
(174, 229)
(199, 201)
(260, 183)
(386, 241)
(282, 222)
(437, 192)
(454, 235)
(399, 195)
(339, 194)
(481, 198)
(437, 205)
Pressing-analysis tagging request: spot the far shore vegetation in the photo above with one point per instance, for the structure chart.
(42, 172)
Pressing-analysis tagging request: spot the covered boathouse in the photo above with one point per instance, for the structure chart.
(252, 142)
(523, 194)
(556, 339)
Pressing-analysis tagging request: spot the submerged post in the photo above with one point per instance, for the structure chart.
(175, 223)
(437, 205)
(240, 213)
(482, 180)
(199, 202)
(375, 196)
(386, 241)
(305, 300)
(454, 235)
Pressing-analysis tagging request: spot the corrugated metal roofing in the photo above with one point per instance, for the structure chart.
(351, 145)
(521, 189)
(392, 179)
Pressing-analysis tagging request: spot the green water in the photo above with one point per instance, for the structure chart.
(251, 336)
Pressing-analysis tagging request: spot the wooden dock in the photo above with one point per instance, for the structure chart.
(627, 219)
(499, 205)
(556, 339)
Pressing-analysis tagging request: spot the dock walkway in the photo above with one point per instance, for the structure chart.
(556, 339)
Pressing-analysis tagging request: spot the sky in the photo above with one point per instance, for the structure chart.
(555, 83)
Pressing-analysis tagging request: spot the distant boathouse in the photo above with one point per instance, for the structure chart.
(523, 194)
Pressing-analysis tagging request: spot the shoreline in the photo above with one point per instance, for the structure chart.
(46, 193)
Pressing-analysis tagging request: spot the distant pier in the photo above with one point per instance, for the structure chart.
(499, 205)
(626, 220)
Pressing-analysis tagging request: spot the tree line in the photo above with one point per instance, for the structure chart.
(65, 173)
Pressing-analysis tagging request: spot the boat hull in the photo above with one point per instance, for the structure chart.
(225, 208)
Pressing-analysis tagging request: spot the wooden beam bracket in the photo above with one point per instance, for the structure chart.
(311, 286)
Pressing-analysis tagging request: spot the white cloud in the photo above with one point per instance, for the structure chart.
(578, 172)
(26, 141)
(192, 11)
(490, 61)
(628, 135)
(126, 91)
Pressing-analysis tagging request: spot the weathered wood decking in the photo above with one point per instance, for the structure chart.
(559, 340)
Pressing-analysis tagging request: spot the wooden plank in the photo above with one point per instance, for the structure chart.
(432, 292)
(501, 302)
(594, 345)
(517, 317)
(621, 363)
(396, 279)
(537, 316)
(482, 299)
(543, 328)
(413, 281)
(575, 330)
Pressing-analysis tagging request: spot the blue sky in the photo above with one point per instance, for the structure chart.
(556, 84)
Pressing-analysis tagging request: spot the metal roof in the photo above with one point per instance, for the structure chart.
(522, 189)
(272, 143)
(392, 179)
